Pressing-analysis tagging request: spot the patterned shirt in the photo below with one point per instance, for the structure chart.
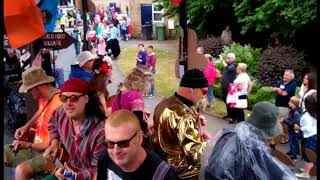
(84, 148)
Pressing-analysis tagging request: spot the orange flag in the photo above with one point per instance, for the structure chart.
(23, 22)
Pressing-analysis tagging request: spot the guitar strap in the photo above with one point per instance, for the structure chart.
(45, 107)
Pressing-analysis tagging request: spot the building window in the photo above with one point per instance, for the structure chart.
(157, 14)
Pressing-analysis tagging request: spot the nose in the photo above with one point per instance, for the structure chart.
(116, 149)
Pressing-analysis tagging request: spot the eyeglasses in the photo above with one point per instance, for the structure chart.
(121, 144)
(72, 98)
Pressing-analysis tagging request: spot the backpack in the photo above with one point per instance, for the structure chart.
(161, 171)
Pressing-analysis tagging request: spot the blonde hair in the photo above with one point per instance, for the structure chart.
(208, 56)
(139, 79)
(243, 66)
(123, 116)
(101, 40)
(295, 100)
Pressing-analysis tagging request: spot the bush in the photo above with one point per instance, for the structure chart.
(273, 62)
(263, 94)
(212, 45)
(254, 88)
(217, 91)
(244, 54)
(219, 66)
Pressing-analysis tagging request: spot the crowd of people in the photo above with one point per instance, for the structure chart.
(104, 30)
(114, 137)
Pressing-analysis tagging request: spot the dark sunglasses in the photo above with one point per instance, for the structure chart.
(121, 144)
(72, 98)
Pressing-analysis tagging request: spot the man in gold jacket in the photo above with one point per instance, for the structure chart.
(178, 137)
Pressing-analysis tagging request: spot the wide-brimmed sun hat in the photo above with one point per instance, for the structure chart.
(33, 77)
(85, 57)
(264, 117)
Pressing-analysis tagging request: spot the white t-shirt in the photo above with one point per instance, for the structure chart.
(308, 125)
(244, 79)
(303, 98)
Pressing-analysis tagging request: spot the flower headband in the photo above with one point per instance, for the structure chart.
(104, 68)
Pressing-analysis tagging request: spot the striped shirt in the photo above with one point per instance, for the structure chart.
(84, 148)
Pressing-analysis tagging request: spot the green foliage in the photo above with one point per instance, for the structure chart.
(254, 88)
(219, 66)
(199, 12)
(217, 90)
(263, 94)
(244, 54)
(276, 17)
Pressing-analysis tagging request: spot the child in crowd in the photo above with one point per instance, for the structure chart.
(102, 47)
(151, 65)
(211, 74)
(293, 118)
(308, 127)
(141, 56)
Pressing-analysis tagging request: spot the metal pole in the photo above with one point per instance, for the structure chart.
(85, 24)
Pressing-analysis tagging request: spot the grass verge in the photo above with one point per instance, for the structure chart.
(166, 82)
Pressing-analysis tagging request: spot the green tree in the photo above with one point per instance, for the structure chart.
(276, 17)
(202, 14)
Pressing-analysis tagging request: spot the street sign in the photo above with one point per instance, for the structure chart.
(56, 40)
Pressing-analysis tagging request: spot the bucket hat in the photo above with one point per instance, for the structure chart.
(264, 117)
(85, 57)
(33, 77)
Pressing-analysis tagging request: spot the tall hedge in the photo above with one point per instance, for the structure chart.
(273, 62)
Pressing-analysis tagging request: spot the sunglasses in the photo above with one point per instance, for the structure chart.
(72, 98)
(121, 144)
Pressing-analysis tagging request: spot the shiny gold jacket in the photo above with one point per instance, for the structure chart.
(177, 133)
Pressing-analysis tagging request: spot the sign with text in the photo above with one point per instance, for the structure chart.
(56, 40)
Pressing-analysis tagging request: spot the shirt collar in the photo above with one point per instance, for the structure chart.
(183, 99)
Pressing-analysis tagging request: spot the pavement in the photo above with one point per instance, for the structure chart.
(67, 56)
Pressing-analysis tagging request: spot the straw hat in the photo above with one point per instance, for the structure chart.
(33, 77)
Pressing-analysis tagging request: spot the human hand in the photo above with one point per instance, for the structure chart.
(281, 119)
(51, 152)
(275, 89)
(297, 127)
(20, 132)
(206, 137)
(17, 145)
(60, 173)
(202, 120)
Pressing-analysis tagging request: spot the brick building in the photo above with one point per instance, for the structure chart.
(141, 12)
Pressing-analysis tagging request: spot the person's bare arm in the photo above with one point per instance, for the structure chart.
(24, 129)
(249, 87)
